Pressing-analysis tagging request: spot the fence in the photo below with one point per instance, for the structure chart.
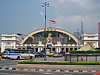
(86, 57)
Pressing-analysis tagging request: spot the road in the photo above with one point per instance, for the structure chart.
(50, 59)
(10, 72)
(9, 63)
(13, 63)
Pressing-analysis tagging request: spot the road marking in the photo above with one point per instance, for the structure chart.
(48, 73)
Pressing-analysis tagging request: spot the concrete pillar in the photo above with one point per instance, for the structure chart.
(14, 45)
(64, 49)
(39, 49)
(2, 47)
(51, 49)
(68, 49)
(57, 50)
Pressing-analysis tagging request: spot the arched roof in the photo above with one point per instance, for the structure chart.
(49, 29)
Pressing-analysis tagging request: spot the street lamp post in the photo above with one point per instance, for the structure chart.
(44, 5)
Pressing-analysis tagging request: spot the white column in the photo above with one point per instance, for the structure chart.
(57, 49)
(97, 44)
(14, 45)
(64, 49)
(68, 49)
(2, 47)
(40, 49)
(51, 49)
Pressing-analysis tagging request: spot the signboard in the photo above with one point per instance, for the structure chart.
(49, 44)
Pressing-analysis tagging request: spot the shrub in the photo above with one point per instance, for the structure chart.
(59, 63)
(1, 54)
(88, 51)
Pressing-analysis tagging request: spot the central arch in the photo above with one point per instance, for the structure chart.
(50, 29)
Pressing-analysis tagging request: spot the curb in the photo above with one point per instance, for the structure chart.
(43, 70)
(7, 68)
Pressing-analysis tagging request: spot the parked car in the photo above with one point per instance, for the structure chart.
(51, 54)
(96, 73)
(63, 53)
(39, 54)
(43, 51)
(57, 55)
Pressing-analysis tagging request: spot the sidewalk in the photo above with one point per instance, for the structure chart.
(58, 68)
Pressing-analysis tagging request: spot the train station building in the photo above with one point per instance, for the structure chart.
(57, 40)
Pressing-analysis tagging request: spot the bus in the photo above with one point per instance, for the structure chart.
(19, 54)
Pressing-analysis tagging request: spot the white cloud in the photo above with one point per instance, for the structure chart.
(61, 1)
(41, 13)
(70, 13)
(35, 27)
(76, 19)
(74, 22)
(81, 2)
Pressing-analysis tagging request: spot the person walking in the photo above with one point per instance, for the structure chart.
(81, 58)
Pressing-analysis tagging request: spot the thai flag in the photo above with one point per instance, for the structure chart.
(61, 36)
(22, 37)
(52, 21)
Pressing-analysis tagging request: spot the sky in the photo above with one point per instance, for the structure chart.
(25, 16)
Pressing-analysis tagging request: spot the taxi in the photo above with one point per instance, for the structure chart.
(50, 55)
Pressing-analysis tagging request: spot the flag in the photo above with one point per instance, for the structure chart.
(32, 36)
(61, 36)
(79, 36)
(41, 37)
(52, 21)
(69, 37)
(22, 37)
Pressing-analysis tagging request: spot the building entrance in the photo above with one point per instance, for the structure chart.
(53, 50)
(62, 49)
(48, 49)
(66, 49)
(36, 49)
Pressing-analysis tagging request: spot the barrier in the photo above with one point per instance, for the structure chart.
(86, 57)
